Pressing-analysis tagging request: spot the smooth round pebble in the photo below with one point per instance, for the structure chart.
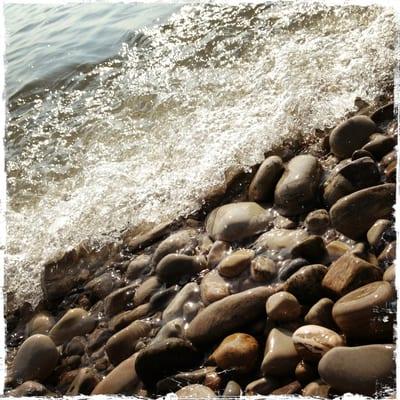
(283, 306)
(195, 391)
(313, 341)
(36, 359)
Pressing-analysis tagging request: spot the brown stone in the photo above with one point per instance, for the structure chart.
(138, 266)
(234, 264)
(317, 221)
(316, 389)
(321, 314)
(313, 341)
(214, 287)
(361, 369)
(263, 269)
(354, 214)
(283, 306)
(218, 251)
(122, 344)
(143, 293)
(84, 382)
(195, 391)
(118, 300)
(36, 359)
(281, 357)
(290, 388)
(348, 273)
(306, 372)
(262, 186)
(39, 323)
(262, 386)
(364, 314)
(238, 352)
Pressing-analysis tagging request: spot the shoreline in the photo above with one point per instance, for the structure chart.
(119, 298)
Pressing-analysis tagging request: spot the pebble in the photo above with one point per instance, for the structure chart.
(311, 249)
(39, 323)
(354, 214)
(232, 389)
(305, 284)
(380, 145)
(103, 285)
(125, 318)
(227, 315)
(97, 338)
(214, 287)
(280, 239)
(235, 263)
(387, 255)
(262, 386)
(349, 272)
(316, 389)
(122, 379)
(190, 293)
(237, 221)
(289, 267)
(336, 249)
(174, 268)
(84, 382)
(195, 391)
(317, 221)
(237, 352)
(376, 232)
(183, 242)
(290, 388)
(313, 341)
(361, 368)
(36, 359)
(122, 344)
(263, 269)
(283, 306)
(29, 388)
(143, 293)
(138, 266)
(161, 299)
(306, 372)
(163, 358)
(118, 300)
(390, 274)
(76, 346)
(75, 322)
(218, 251)
(362, 313)
(280, 357)
(321, 314)
(263, 185)
(297, 189)
(351, 135)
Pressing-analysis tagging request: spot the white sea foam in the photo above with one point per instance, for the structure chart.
(143, 137)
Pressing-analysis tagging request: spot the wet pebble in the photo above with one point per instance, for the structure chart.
(296, 190)
(237, 221)
(316, 389)
(351, 135)
(313, 341)
(195, 391)
(364, 314)
(235, 263)
(36, 359)
(281, 357)
(232, 389)
(218, 251)
(237, 352)
(317, 222)
(84, 382)
(263, 269)
(75, 322)
(321, 314)
(263, 185)
(138, 266)
(40, 323)
(283, 306)
(361, 368)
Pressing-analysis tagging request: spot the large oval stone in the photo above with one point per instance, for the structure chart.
(363, 313)
(195, 391)
(262, 186)
(297, 190)
(235, 263)
(351, 135)
(361, 368)
(237, 221)
(227, 315)
(163, 358)
(354, 214)
(36, 359)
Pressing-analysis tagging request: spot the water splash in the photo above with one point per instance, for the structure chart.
(143, 136)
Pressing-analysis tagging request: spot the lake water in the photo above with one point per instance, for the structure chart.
(123, 114)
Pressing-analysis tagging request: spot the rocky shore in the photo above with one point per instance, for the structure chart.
(283, 283)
